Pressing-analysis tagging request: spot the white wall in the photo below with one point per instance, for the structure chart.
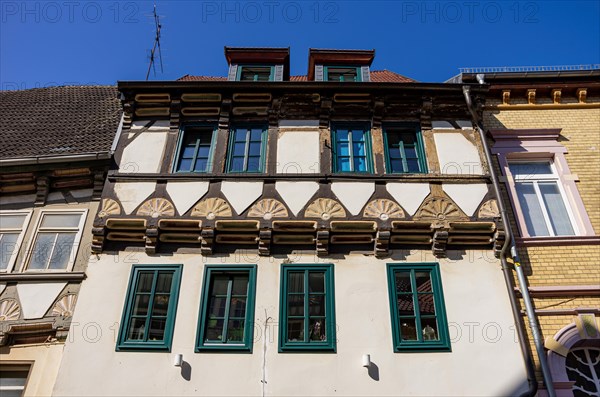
(482, 362)
(144, 152)
(298, 148)
(456, 154)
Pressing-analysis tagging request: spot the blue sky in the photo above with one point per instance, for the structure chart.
(46, 43)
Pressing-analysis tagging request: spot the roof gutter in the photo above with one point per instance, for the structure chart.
(113, 147)
(509, 242)
(56, 159)
(493, 76)
(298, 86)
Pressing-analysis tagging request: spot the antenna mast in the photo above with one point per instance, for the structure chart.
(156, 46)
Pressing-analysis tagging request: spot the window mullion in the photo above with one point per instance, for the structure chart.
(195, 155)
(413, 283)
(306, 307)
(227, 307)
(403, 155)
(51, 251)
(351, 149)
(150, 305)
(246, 150)
(538, 194)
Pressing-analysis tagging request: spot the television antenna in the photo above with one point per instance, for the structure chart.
(155, 47)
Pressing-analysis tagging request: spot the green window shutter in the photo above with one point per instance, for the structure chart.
(365, 73)
(278, 73)
(226, 319)
(319, 73)
(150, 305)
(307, 308)
(232, 76)
(417, 308)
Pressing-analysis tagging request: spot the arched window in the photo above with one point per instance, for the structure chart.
(583, 368)
(574, 357)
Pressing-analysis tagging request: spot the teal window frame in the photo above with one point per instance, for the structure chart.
(123, 344)
(240, 69)
(248, 141)
(335, 145)
(418, 146)
(246, 346)
(329, 301)
(357, 68)
(420, 345)
(181, 139)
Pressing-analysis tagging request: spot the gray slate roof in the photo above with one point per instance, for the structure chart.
(58, 121)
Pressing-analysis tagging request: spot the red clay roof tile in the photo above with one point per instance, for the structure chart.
(377, 76)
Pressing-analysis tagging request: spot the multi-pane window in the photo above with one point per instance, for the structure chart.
(255, 73)
(307, 311)
(247, 149)
(542, 201)
(195, 152)
(342, 73)
(13, 379)
(227, 310)
(149, 313)
(351, 149)
(56, 240)
(404, 150)
(12, 228)
(417, 307)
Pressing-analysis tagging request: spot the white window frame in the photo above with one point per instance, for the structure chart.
(535, 179)
(9, 366)
(76, 241)
(22, 232)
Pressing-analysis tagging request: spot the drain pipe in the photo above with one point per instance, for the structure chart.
(533, 322)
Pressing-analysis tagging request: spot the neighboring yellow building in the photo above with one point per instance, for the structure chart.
(546, 140)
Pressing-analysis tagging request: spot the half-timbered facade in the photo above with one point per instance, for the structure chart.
(326, 234)
(55, 151)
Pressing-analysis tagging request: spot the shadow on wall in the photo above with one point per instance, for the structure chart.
(515, 390)
(374, 371)
(186, 371)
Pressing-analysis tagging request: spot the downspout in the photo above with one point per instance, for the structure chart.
(509, 242)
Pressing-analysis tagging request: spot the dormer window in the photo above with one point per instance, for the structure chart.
(258, 64)
(342, 73)
(340, 65)
(255, 73)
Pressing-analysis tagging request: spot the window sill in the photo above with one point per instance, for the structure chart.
(223, 349)
(423, 349)
(143, 348)
(307, 349)
(557, 240)
(27, 276)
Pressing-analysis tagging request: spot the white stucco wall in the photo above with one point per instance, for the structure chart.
(456, 154)
(485, 357)
(298, 149)
(145, 153)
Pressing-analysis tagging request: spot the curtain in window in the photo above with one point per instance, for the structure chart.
(559, 217)
(532, 211)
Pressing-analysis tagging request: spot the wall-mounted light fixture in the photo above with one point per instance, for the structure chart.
(366, 360)
(178, 360)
